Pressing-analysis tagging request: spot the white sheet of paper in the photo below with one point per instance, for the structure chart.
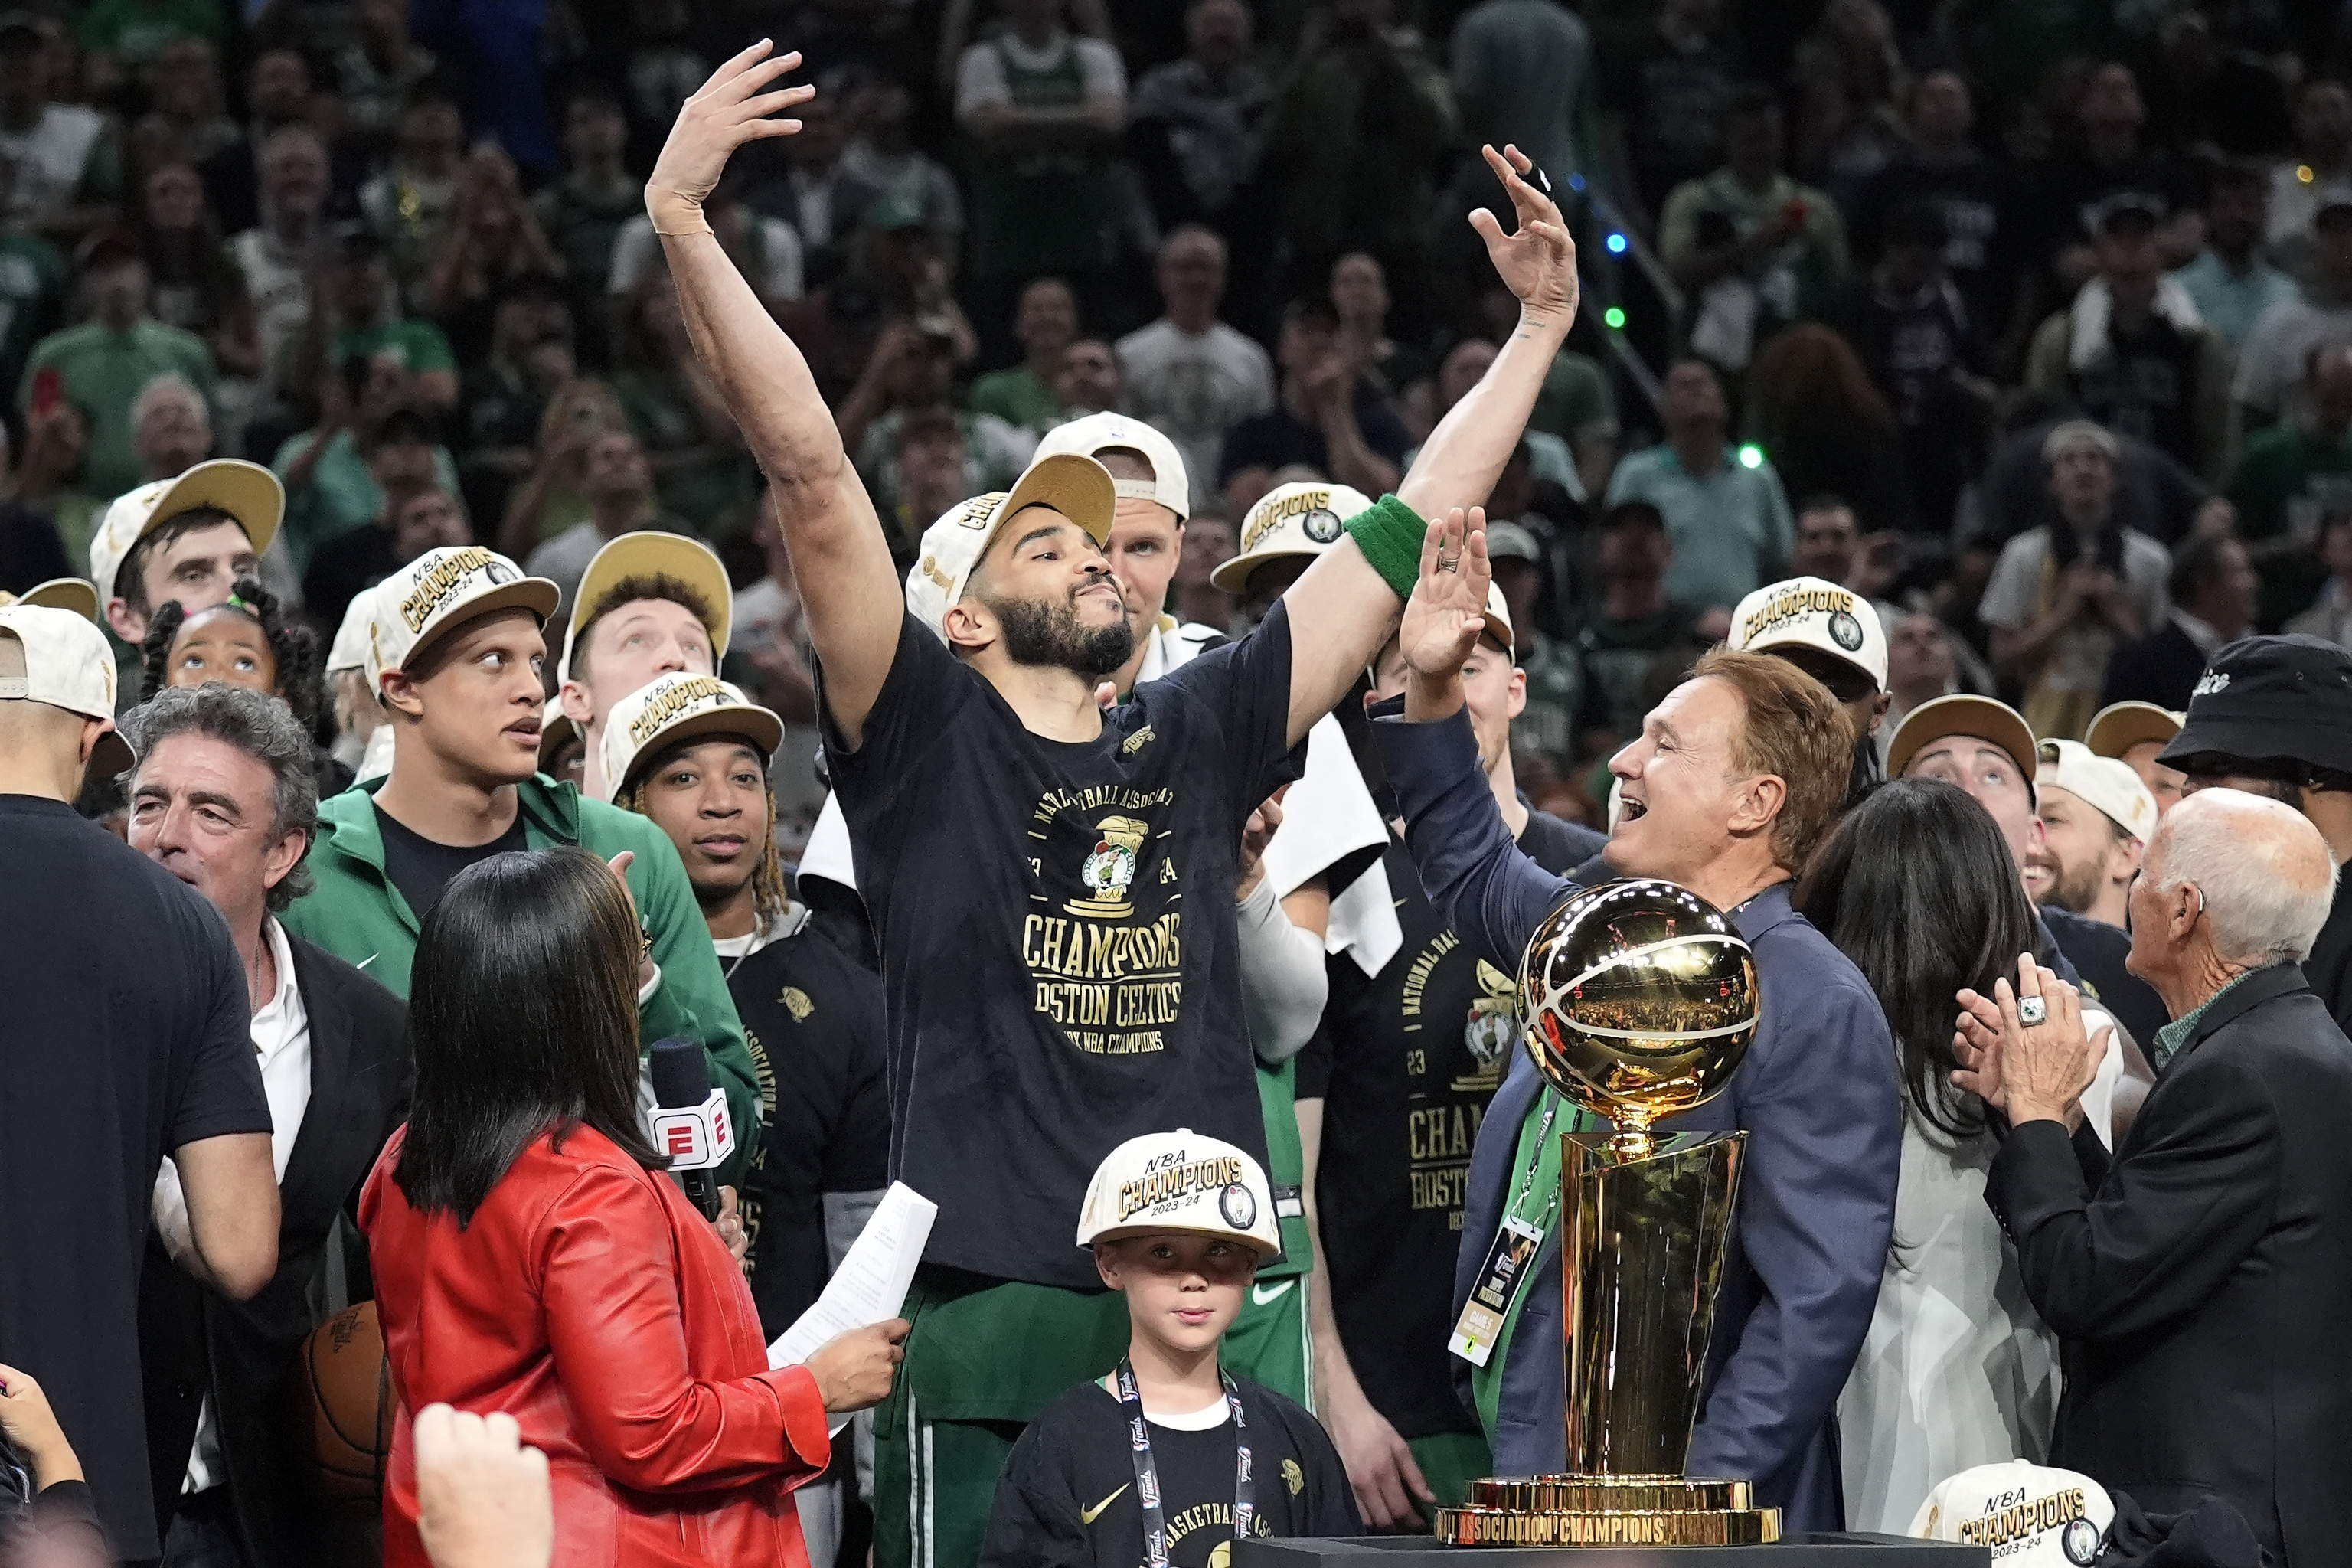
(871, 1284)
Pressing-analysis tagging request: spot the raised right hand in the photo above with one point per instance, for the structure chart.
(1448, 608)
(730, 109)
(854, 1371)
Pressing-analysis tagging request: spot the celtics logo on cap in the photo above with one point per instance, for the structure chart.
(1845, 631)
(1239, 1209)
(1322, 525)
(2079, 1542)
(500, 574)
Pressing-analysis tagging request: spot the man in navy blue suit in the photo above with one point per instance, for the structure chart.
(1734, 779)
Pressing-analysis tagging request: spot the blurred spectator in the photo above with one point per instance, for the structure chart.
(2330, 616)
(1043, 109)
(277, 95)
(664, 67)
(582, 211)
(1754, 249)
(32, 280)
(549, 499)
(360, 321)
(30, 551)
(501, 401)
(1555, 675)
(1352, 140)
(1632, 622)
(2319, 314)
(2288, 478)
(2153, 494)
(930, 469)
(2205, 95)
(1022, 395)
(1831, 545)
(377, 72)
(493, 241)
(896, 272)
(1912, 330)
(882, 161)
(2229, 282)
(1087, 381)
(369, 438)
(184, 119)
(1724, 512)
(1851, 84)
(1196, 130)
(417, 517)
(1671, 96)
(1975, 200)
(48, 480)
(812, 194)
(1523, 77)
(2105, 169)
(765, 249)
(2212, 590)
(913, 372)
(1813, 406)
(2063, 599)
(103, 362)
(2317, 163)
(192, 283)
(1552, 459)
(1327, 418)
(1578, 404)
(1921, 666)
(1208, 544)
(277, 259)
(2132, 351)
(1360, 292)
(1189, 375)
(408, 204)
(124, 36)
(617, 484)
(702, 473)
(171, 429)
(65, 170)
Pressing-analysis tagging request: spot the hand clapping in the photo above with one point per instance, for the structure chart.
(2028, 1071)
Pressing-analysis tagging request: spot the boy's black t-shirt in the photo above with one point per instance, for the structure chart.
(1055, 924)
(1067, 1497)
(1405, 1063)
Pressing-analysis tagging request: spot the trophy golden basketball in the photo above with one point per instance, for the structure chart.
(1638, 1001)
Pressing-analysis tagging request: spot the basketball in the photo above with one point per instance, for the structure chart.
(346, 1408)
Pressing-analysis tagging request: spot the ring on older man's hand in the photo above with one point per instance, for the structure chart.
(1449, 563)
(2033, 1010)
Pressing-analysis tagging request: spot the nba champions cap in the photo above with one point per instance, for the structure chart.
(675, 707)
(1292, 519)
(440, 591)
(66, 665)
(1077, 487)
(247, 491)
(1183, 1181)
(1812, 613)
(2106, 786)
(2030, 1515)
(1099, 433)
(652, 552)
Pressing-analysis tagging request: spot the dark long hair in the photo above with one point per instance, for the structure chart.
(1918, 888)
(522, 1017)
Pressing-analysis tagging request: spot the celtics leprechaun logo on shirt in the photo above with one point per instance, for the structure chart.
(1103, 936)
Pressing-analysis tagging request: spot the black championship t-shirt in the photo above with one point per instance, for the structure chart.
(420, 868)
(1066, 1496)
(1055, 922)
(813, 1021)
(1405, 1063)
(127, 1035)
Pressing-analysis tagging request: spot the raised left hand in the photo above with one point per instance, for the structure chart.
(1448, 608)
(1538, 262)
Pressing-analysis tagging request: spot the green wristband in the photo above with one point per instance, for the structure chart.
(1390, 537)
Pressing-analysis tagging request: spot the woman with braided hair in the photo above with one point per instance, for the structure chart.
(246, 640)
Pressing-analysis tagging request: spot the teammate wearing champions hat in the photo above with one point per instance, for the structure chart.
(1051, 886)
(1169, 1458)
(454, 654)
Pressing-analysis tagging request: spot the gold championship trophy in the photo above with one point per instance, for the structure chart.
(1640, 1001)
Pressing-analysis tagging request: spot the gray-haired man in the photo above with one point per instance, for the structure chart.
(224, 799)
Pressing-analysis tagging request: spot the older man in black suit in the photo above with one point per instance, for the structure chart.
(2198, 1278)
(224, 799)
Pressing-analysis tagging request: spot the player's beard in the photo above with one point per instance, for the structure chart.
(1048, 637)
(2073, 888)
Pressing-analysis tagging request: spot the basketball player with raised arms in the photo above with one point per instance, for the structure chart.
(1051, 886)
(1734, 779)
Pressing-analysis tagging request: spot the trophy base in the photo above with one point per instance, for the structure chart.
(1608, 1510)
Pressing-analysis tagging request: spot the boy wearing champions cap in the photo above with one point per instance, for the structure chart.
(1050, 885)
(1169, 1458)
(454, 654)
(1833, 635)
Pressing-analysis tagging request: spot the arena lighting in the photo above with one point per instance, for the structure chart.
(1751, 455)
(1615, 317)
(1616, 244)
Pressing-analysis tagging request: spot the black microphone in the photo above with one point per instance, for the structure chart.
(685, 1126)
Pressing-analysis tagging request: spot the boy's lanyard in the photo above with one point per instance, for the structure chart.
(1146, 1474)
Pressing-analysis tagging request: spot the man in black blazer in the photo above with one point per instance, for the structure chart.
(2196, 1281)
(224, 799)
(2213, 589)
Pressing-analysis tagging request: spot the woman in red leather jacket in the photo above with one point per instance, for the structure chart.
(532, 1256)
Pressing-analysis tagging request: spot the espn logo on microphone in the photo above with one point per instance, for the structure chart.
(694, 1137)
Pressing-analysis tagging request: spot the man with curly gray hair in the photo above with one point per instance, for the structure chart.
(224, 799)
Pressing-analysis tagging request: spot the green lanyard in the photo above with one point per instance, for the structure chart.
(1538, 1165)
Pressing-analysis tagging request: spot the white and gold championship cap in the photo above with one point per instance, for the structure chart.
(1498, 621)
(440, 591)
(2032, 1516)
(1179, 1181)
(58, 594)
(2108, 787)
(1099, 433)
(1292, 519)
(351, 645)
(652, 552)
(66, 665)
(1812, 613)
(247, 491)
(1078, 488)
(674, 708)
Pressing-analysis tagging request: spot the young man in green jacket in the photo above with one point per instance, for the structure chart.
(455, 654)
